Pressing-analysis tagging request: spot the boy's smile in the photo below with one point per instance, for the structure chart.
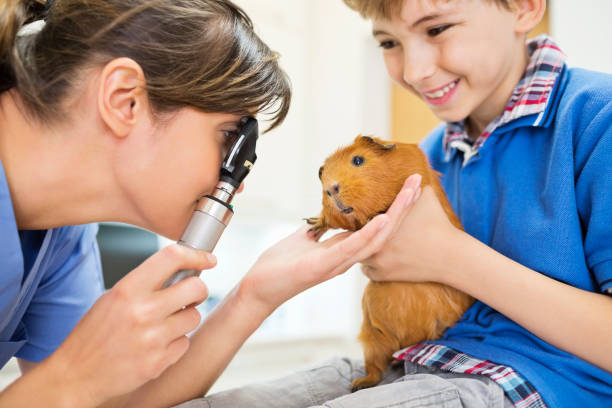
(462, 57)
(442, 94)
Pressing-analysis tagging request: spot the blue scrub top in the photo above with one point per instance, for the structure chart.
(48, 280)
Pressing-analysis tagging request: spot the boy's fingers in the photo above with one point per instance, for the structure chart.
(396, 214)
(155, 270)
(345, 249)
(414, 181)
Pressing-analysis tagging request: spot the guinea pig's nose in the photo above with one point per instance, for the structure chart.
(335, 189)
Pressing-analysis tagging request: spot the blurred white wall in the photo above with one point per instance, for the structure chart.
(583, 31)
(339, 91)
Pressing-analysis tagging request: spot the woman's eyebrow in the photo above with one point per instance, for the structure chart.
(234, 123)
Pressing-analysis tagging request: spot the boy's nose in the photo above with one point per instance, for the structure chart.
(418, 66)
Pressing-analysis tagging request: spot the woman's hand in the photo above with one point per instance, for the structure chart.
(413, 252)
(300, 261)
(135, 330)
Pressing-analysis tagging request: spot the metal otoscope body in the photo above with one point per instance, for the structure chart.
(214, 211)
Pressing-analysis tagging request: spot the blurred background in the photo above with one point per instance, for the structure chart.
(340, 89)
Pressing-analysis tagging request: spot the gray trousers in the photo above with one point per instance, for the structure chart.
(329, 385)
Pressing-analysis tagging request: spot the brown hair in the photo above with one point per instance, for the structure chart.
(385, 9)
(198, 53)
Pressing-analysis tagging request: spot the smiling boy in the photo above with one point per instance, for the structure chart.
(524, 158)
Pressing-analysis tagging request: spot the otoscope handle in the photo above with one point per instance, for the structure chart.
(203, 232)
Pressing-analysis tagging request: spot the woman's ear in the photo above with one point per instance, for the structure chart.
(121, 95)
(529, 13)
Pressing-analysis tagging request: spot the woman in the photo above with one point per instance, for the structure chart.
(121, 111)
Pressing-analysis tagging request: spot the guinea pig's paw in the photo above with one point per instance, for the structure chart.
(313, 220)
(318, 224)
(365, 382)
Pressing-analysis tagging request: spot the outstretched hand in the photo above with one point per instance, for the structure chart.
(301, 260)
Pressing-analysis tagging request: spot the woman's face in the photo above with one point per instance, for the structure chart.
(173, 164)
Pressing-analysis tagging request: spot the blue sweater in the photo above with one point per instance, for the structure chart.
(542, 196)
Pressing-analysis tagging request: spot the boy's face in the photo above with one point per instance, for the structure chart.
(462, 57)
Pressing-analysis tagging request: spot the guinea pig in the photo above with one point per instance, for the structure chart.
(360, 181)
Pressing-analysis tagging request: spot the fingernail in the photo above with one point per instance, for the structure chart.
(211, 258)
(418, 194)
(382, 225)
(410, 196)
(416, 180)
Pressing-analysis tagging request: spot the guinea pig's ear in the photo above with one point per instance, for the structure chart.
(378, 146)
(320, 172)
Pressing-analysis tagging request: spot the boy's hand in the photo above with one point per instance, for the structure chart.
(415, 252)
(135, 330)
(300, 261)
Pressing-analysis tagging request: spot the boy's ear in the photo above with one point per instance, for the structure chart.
(121, 95)
(529, 13)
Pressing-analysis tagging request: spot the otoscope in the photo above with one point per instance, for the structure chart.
(214, 211)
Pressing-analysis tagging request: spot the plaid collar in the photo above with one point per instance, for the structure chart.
(529, 97)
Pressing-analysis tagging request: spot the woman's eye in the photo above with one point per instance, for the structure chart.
(435, 31)
(229, 138)
(358, 161)
(387, 45)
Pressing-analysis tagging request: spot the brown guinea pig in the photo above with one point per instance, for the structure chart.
(359, 182)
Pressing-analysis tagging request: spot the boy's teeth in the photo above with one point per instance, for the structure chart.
(441, 92)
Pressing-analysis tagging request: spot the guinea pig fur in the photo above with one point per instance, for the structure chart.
(360, 181)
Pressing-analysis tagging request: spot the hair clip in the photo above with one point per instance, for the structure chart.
(31, 28)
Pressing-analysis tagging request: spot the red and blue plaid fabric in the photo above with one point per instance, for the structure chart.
(529, 97)
(519, 390)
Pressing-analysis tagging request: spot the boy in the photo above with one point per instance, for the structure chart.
(524, 160)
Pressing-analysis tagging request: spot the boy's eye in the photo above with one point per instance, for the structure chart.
(387, 45)
(435, 31)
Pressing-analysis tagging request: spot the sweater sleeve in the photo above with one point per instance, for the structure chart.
(593, 176)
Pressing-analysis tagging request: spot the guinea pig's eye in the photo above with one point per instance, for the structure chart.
(320, 172)
(358, 161)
